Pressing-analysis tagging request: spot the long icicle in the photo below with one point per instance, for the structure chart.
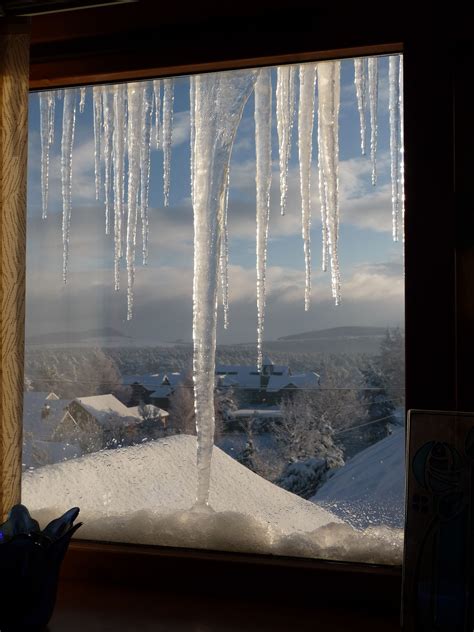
(67, 141)
(263, 179)
(360, 82)
(328, 142)
(373, 105)
(394, 112)
(134, 94)
(106, 146)
(82, 100)
(224, 255)
(219, 99)
(145, 140)
(157, 103)
(402, 148)
(97, 106)
(168, 98)
(191, 133)
(118, 160)
(285, 111)
(47, 109)
(305, 147)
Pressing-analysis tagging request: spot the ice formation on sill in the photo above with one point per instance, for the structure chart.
(263, 178)
(250, 513)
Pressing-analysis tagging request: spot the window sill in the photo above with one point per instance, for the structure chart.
(100, 607)
(216, 577)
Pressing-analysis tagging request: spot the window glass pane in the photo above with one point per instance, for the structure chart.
(309, 447)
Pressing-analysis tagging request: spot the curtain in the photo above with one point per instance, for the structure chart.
(14, 71)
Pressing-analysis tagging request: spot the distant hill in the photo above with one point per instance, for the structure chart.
(72, 337)
(350, 340)
(338, 332)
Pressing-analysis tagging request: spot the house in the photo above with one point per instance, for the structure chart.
(102, 421)
(266, 386)
(43, 413)
(153, 388)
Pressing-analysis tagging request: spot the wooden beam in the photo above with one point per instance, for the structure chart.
(14, 72)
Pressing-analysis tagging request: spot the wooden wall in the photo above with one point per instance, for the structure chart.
(14, 85)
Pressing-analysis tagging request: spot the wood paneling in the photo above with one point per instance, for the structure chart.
(14, 71)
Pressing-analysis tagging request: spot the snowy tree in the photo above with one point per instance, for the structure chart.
(391, 365)
(181, 409)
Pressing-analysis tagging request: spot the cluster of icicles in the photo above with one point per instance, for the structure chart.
(125, 117)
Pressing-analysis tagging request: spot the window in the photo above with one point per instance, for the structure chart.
(119, 390)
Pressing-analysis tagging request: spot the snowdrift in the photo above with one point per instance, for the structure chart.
(146, 494)
(370, 488)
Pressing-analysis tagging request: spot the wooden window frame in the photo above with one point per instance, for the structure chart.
(67, 60)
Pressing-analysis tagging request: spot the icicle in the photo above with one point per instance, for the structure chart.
(224, 255)
(97, 105)
(305, 146)
(168, 98)
(394, 111)
(402, 148)
(285, 110)
(106, 147)
(47, 103)
(328, 142)
(134, 92)
(263, 179)
(147, 113)
(82, 100)
(157, 100)
(67, 140)
(118, 159)
(191, 133)
(373, 103)
(360, 81)
(219, 99)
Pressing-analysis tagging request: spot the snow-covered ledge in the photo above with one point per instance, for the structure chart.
(145, 494)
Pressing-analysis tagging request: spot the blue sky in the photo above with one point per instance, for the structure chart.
(371, 264)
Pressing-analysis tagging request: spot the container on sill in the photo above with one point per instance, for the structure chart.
(30, 560)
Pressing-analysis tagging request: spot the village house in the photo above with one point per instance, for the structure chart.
(102, 421)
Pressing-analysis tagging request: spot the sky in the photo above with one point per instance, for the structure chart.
(371, 263)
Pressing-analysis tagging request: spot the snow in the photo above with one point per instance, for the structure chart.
(145, 494)
(41, 416)
(106, 408)
(370, 488)
(304, 380)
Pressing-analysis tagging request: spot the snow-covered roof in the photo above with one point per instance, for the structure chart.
(149, 410)
(107, 409)
(238, 375)
(150, 381)
(41, 416)
(303, 380)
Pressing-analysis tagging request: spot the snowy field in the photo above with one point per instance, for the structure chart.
(145, 494)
